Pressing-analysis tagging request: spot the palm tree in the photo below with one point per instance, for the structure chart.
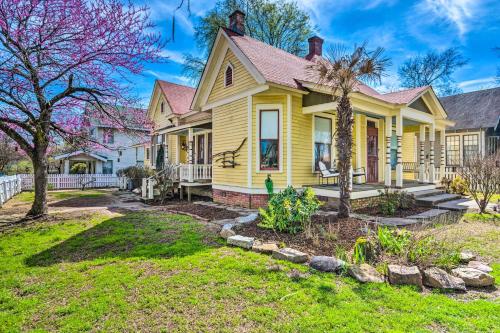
(342, 71)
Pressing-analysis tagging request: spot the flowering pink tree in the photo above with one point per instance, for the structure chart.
(58, 57)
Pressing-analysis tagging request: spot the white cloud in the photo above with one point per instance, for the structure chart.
(477, 84)
(459, 13)
(174, 56)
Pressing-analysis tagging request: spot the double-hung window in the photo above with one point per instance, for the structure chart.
(471, 146)
(322, 142)
(453, 150)
(269, 140)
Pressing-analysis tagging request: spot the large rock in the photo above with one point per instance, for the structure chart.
(267, 248)
(248, 218)
(241, 241)
(227, 231)
(473, 277)
(480, 266)
(290, 254)
(365, 273)
(326, 264)
(466, 256)
(399, 274)
(437, 278)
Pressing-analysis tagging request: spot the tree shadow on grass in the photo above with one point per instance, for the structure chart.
(132, 235)
(90, 201)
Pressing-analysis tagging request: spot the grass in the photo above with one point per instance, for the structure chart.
(146, 271)
(29, 196)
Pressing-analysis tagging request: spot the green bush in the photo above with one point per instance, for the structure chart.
(290, 211)
(390, 202)
(458, 186)
(135, 173)
(78, 168)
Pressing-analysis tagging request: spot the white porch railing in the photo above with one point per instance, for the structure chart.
(63, 181)
(450, 172)
(184, 172)
(9, 187)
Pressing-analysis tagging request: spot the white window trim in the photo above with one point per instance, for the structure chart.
(269, 107)
(332, 149)
(229, 65)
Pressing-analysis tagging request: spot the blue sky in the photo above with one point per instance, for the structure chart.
(403, 28)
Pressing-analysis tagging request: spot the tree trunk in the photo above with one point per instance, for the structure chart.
(40, 163)
(344, 150)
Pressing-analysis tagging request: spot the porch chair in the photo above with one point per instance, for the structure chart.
(359, 172)
(324, 173)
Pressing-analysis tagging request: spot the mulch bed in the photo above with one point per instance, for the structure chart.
(328, 234)
(374, 211)
(205, 212)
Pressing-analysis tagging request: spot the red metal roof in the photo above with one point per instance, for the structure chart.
(280, 67)
(179, 97)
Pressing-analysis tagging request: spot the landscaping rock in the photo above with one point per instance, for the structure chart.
(437, 278)
(473, 277)
(365, 273)
(247, 219)
(227, 231)
(290, 255)
(275, 268)
(399, 274)
(466, 256)
(264, 247)
(480, 266)
(241, 241)
(326, 264)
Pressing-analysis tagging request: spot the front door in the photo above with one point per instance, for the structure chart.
(372, 154)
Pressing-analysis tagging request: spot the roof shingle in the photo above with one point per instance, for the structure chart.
(179, 97)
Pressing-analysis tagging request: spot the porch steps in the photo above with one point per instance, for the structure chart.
(430, 214)
(434, 200)
(454, 205)
(427, 193)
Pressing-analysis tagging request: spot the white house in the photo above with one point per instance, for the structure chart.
(119, 150)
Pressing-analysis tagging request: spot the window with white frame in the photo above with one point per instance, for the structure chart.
(228, 76)
(107, 167)
(269, 140)
(322, 142)
(453, 150)
(471, 146)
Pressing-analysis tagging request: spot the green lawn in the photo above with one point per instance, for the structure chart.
(156, 272)
(29, 196)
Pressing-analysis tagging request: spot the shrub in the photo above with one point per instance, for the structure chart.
(458, 186)
(290, 211)
(390, 201)
(135, 173)
(78, 168)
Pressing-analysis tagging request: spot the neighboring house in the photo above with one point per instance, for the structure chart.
(261, 107)
(119, 149)
(477, 125)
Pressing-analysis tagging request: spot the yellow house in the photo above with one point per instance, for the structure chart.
(261, 113)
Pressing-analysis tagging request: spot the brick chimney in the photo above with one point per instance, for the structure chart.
(315, 47)
(237, 22)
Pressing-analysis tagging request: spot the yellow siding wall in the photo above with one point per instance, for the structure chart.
(302, 145)
(183, 155)
(278, 177)
(229, 129)
(160, 119)
(172, 148)
(242, 80)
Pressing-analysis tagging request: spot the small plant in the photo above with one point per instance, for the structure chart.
(363, 250)
(446, 182)
(269, 186)
(390, 202)
(290, 211)
(393, 241)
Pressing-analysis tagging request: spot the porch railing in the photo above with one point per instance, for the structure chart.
(450, 172)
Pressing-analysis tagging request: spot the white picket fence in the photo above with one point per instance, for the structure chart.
(63, 181)
(9, 187)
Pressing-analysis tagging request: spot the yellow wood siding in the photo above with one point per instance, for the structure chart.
(172, 148)
(160, 119)
(278, 177)
(302, 146)
(229, 129)
(183, 155)
(242, 80)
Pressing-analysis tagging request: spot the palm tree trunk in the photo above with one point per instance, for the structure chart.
(344, 150)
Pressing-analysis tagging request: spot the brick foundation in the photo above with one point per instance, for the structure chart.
(239, 199)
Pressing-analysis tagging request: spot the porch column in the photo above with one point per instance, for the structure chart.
(165, 144)
(357, 124)
(432, 139)
(177, 149)
(66, 167)
(388, 136)
(399, 165)
(421, 167)
(190, 154)
(442, 163)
